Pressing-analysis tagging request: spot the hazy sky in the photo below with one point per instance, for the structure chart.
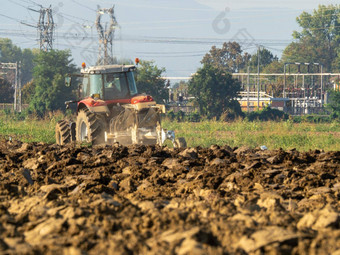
(240, 4)
(174, 33)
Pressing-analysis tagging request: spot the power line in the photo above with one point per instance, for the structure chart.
(177, 56)
(17, 4)
(162, 53)
(188, 41)
(32, 2)
(85, 6)
(64, 15)
(8, 17)
(74, 17)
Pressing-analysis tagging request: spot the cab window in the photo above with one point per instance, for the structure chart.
(85, 87)
(115, 86)
(96, 84)
(132, 84)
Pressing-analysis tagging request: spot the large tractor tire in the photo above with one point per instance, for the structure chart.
(62, 132)
(89, 128)
(180, 142)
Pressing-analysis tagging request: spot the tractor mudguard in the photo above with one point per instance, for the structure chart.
(94, 105)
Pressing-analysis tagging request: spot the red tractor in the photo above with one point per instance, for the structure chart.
(110, 110)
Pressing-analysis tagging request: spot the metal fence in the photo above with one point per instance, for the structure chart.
(184, 108)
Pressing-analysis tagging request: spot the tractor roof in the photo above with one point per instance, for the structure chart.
(108, 69)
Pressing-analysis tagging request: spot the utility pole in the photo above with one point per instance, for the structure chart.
(106, 36)
(248, 88)
(284, 81)
(322, 96)
(19, 105)
(16, 88)
(258, 77)
(46, 29)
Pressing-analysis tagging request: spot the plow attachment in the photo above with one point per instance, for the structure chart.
(141, 126)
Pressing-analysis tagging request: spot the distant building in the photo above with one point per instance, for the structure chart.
(264, 101)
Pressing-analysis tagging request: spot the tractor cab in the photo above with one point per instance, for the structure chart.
(110, 82)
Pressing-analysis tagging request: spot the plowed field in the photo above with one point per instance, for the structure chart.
(153, 200)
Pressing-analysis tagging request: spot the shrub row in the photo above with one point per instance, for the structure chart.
(267, 114)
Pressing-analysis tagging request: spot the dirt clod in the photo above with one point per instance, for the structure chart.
(154, 200)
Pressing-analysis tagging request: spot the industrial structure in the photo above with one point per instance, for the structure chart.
(16, 67)
(106, 36)
(304, 91)
(46, 29)
(299, 93)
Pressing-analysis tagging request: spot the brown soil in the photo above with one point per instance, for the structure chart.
(153, 200)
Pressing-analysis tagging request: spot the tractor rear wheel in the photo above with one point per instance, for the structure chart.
(89, 128)
(180, 142)
(62, 132)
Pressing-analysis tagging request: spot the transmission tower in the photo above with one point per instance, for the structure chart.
(46, 29)
(106, 36)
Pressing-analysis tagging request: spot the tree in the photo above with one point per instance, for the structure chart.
(319, 39)
(149, 80)
(334, 104)
(214, 90)
(27, 92)
(50, 92)
(27, 64)
(9, 52)
(229, 58)
(274, 84)
(266, 58)
(6, 91)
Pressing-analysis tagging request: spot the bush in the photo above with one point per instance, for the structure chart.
(267, 114)
(170, 115)
(334, 104)
(311, 119)
(193, 117)
(15, 116)
(182, 117)
(232, 113)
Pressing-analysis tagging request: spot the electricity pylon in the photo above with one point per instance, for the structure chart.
(106, 36)
(46, 29)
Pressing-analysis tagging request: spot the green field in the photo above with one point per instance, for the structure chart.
(274, 135)
(29, 129)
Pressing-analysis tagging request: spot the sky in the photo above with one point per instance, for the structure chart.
(174, 33)
(244, 4)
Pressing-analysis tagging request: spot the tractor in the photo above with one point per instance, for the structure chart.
(110, 110)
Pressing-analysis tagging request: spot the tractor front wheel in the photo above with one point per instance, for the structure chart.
(89, 128)
(62, 132)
